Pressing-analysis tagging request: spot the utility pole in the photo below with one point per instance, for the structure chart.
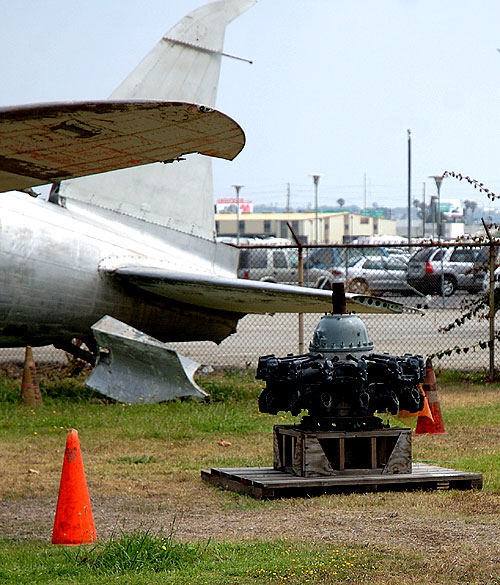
(423, 210)
(364, 192)
(409, 186)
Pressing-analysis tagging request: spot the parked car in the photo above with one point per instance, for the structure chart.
(440, 270)
(280, 265)
(378, 275)
(337, 260)
(400, 253)
(482, 265)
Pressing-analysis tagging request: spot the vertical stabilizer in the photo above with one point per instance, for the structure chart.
(183, 66)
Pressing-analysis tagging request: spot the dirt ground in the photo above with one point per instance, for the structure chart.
(461, 527)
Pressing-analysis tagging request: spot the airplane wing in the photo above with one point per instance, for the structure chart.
(244, 296)
(46, 143)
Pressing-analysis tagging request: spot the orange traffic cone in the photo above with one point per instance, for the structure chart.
(433, 424)
(426, 411)
(74, 522)
(30, 390)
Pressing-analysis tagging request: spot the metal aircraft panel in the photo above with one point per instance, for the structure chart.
(138, 368)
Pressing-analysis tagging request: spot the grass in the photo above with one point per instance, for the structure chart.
(150, 457)
(140, 558)
(181, 436)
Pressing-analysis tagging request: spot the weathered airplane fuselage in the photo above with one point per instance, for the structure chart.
(51, 288)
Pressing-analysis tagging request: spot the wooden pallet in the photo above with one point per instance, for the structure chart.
(267, 482)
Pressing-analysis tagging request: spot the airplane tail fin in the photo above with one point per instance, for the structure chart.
(183, 66)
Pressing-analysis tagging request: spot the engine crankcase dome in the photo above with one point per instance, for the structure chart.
(341, 335)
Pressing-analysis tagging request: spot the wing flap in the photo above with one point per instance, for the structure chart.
(244, 296)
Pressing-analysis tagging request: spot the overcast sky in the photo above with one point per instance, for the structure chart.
(333, 88)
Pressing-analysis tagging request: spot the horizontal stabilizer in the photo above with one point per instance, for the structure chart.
(46, 143)
(244, 296)
(138, 368)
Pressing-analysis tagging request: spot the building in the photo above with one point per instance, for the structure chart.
(340, 227)
(231, 204)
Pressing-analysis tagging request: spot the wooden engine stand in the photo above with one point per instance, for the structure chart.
(306, 453)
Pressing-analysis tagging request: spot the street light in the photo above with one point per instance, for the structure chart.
(316, 222)
(237, 188)
(438, 179)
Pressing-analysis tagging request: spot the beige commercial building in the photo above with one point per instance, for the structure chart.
(324, 228)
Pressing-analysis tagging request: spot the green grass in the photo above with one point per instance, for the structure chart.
(458, 377)
(186, 421)
(140, 557)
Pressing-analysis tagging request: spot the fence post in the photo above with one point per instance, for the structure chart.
(491, 316)
(301, 315)
(300, 283)
(491, 304)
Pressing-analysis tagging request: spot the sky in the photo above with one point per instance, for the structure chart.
(333, 89)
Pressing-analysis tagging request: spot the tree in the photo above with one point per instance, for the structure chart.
(470, 207)
(424, 211)
(420, 206)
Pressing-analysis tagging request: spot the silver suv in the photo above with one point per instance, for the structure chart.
(279, 265)
(439, 270)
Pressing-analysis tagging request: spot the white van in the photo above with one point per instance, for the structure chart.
(279, 265)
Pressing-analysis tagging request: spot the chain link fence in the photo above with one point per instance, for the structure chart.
(449, 282)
